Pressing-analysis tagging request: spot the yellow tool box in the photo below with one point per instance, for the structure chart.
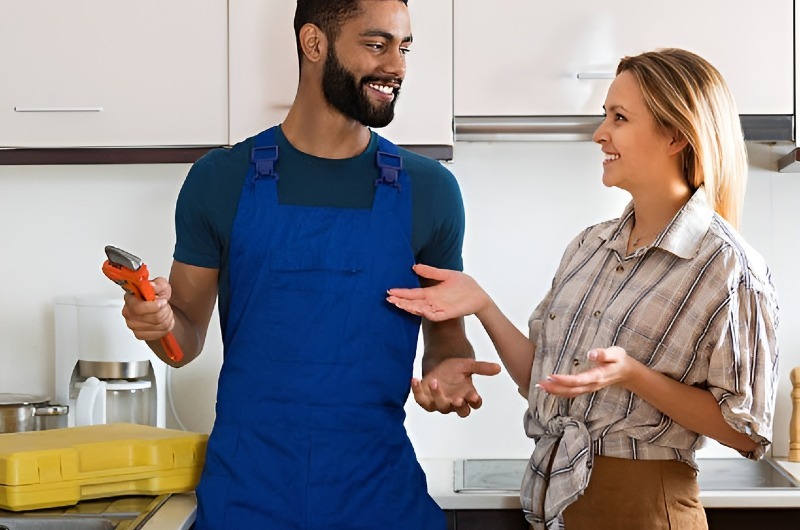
(60, 467)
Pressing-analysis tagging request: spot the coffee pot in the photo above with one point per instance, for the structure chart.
(103, 372)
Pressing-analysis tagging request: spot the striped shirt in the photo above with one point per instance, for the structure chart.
(697, 305)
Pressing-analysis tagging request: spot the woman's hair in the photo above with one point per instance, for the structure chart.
(688, 95)
(327, 15)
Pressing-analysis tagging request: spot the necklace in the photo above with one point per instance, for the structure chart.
(645, 237)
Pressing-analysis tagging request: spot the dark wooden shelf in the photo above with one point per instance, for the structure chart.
(102, 155)
(146, 155)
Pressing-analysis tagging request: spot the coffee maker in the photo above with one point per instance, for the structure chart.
(103, 372)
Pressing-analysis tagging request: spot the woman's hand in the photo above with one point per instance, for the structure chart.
(455, 295)
(612, 366)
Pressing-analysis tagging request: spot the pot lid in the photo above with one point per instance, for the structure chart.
(22, 399)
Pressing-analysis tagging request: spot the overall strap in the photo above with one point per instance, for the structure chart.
(389, 163)
(265, 154)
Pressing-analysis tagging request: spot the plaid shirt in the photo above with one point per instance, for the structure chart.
(697, 305)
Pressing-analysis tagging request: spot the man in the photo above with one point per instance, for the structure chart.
(300, 231)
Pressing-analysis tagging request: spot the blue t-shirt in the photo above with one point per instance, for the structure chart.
(209, 198)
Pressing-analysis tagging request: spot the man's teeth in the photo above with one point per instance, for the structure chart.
(609, 157)
(383, 88)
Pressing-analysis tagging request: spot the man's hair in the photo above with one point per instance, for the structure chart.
(327, 15)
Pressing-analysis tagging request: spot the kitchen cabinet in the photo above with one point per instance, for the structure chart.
(558, 58)
(264, 74)
(104, 73)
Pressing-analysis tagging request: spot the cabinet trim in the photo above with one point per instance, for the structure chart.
(102, 155)
(147, 155)
(757, 128)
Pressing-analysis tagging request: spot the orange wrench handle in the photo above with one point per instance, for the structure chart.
(137, 282)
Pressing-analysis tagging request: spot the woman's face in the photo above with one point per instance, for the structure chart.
(637, 150)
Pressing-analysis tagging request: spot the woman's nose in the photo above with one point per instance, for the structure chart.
(600, 134)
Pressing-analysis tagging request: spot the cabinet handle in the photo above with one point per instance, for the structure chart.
(58, 109)
(596, 75)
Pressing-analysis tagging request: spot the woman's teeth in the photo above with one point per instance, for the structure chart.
(609, 157)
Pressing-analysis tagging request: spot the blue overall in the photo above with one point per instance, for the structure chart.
(309, 430)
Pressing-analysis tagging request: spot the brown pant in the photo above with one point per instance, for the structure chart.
(628, 494)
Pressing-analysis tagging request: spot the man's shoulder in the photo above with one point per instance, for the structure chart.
(416, 163)
(222, 165)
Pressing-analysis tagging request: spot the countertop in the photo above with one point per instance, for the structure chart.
(178, 513)
(440, 486)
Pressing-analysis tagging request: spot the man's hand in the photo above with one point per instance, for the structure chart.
(150, 320)
(448, 387)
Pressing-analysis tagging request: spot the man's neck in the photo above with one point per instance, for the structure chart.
(321, 131)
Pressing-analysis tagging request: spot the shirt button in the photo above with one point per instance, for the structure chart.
(620, 268)
(575, 362)
(552, 316)
(597, 313)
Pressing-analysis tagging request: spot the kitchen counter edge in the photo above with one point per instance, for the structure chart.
(439, 474)
(179, 512)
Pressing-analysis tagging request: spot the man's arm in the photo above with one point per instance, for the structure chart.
(448, 364)
(183, 305)
(444, 340)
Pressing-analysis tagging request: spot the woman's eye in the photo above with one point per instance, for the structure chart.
(619, 117)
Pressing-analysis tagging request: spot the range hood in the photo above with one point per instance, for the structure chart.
(757, 128)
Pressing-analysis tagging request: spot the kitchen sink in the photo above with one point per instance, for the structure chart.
(126, 513)
(56, 523)
(716, 474)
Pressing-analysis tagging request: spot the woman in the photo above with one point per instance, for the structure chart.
(659, 327)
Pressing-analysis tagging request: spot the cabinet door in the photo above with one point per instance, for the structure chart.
(264, 71)
(424, 111)
(515, 58)
(101, 73)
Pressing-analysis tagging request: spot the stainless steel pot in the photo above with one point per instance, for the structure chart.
(23, 412)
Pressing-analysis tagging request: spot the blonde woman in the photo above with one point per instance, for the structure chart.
(659, 327)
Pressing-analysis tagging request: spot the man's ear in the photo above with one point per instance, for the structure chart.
(313, 42)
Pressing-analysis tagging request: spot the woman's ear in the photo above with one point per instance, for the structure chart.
(677, 143)
(313, 43)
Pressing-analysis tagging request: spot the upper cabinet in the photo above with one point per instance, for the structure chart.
(102, 73)
(515, 58)
(264, 73)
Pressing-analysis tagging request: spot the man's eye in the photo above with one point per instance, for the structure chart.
(405, 50)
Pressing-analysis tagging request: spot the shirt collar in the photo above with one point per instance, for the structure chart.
(681, 237)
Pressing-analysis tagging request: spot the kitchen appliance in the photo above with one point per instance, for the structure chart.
(103, 372)
(716, 474)
(24, 412)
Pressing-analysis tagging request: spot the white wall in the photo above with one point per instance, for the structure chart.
(524, 202)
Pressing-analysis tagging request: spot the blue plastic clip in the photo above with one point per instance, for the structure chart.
(264, 158)
(390, 166)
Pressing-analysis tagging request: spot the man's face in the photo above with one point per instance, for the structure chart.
(348, 94)
(366, 64)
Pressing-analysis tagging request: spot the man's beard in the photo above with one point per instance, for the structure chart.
(347, 95)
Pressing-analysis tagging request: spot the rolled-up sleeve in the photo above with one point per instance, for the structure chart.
(743, 365)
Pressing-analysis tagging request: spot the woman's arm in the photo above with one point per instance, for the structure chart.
(692, 407)
(453, 294)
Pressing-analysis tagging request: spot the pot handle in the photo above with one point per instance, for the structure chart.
(90, 407)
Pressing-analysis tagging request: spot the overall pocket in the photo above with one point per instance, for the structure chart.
(314, 306)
